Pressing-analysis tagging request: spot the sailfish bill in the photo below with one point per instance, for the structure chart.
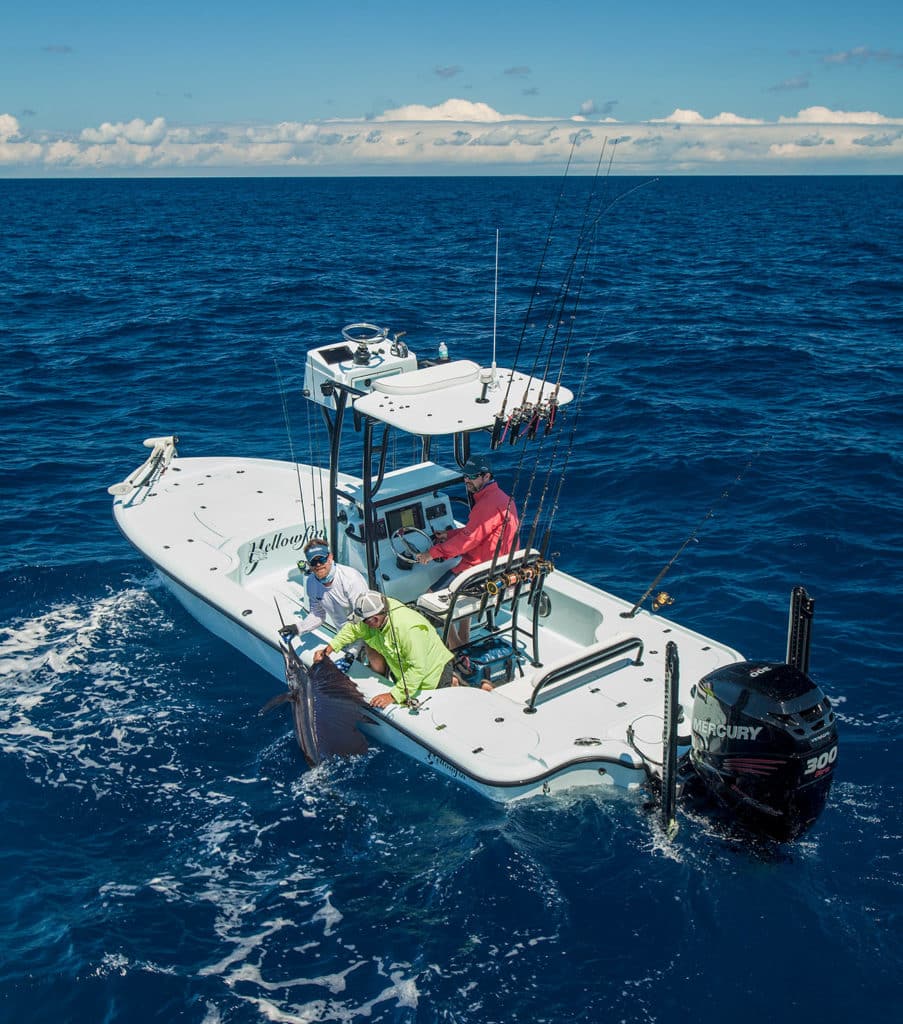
(326, 707)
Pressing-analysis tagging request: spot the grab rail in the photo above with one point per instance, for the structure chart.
(585, 661)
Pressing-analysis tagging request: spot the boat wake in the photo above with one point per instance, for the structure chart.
(291, 892)
(77, 688)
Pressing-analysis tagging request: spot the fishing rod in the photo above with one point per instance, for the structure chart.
(500, 416)
(310, 460)
(578, 408)
(552, 404)
(286, 631)
(497, 586)
(291, 447)
(552, 463)
(664, 599)
(394, 632)
(505, 520)
(318, 463)
(586, 241)
(549, 410)
(617, 199)
(526, 502)
(531, 431)
(542, 498)
(588, 248)
(586, 245)
(564, 288)
(587, 233)
(539, 567)
(553, 401)
(495, 309)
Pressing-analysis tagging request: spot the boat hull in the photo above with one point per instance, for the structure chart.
(598, 726)
(399, 730)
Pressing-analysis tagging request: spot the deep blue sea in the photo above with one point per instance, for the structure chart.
(166, 855)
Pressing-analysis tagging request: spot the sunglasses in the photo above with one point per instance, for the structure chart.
(315, 563)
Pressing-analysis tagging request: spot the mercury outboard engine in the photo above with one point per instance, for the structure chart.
(764, 742)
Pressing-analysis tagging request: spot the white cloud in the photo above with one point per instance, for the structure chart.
(13, 152)
(694, 117)
(465, 137)
(823, 115)
(9, 127)
(62, 152)
(136, 131)
(510, 135)
(450, 110)
(286, 131)
(862, 54)
(800, 147)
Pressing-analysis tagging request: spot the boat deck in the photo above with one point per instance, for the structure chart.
(226, 535)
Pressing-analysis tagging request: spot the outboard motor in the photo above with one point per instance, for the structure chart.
(764, 742)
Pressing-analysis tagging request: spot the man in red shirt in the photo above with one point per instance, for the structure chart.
(491, 531)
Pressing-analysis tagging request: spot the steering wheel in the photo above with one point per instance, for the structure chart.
(364, 334)
(409, 552)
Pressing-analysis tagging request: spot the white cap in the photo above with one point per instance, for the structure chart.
(371, 603)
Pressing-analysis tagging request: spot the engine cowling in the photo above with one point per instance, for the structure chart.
(764, 743)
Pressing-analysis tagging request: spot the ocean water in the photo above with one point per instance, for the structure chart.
(166, 854)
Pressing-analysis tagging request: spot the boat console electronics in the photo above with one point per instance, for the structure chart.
(372, 358)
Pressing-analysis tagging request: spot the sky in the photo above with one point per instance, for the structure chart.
(362, 87)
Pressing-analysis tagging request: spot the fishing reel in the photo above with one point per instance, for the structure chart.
(518, 418)
(497, 432)
(551, 415)
(525, 422)
(501, 583)
(536, 417)
(523, 574)
(545, 412)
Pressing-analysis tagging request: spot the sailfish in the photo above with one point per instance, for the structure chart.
(326, 707)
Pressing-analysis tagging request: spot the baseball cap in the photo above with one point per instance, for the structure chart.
(317, 553)
(371, 603)
(476, 465)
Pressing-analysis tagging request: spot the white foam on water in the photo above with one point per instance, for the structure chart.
(117, 963)
(112, 963)
(402, 991)
(328, 915)
(333, 983)
(73, 701)
(244, 946)
(211, 1014)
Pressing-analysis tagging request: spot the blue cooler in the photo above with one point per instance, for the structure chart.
(486, 661)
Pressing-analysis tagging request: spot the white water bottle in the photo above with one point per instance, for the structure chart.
(443, 351)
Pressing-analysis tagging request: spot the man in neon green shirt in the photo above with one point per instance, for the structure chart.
(403, 640)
